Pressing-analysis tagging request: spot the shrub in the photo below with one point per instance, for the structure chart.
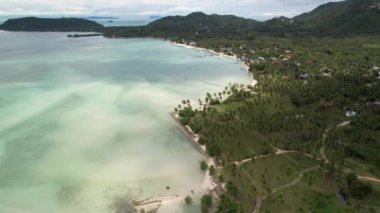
(186, 112)
(260, 67)
(206, 200)
(203, 165)
(188, 200)
(357, 188)
(212, 149)
(195, 125)
(184, 121)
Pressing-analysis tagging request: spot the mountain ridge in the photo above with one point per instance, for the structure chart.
(349, 17)
(51, 24)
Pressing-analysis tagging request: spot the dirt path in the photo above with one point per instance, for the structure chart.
(278, 152)
(322, 150)
(259, 201)
(295, 181)
(344, 124)
(368, 178)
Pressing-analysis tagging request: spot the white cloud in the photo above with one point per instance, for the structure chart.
(247, 8)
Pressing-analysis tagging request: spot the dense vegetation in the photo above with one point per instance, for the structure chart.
(314, 114)
(51, 25)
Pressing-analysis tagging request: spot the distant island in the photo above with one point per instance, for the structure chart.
(155, 17)
(102, 17)
(52, 25)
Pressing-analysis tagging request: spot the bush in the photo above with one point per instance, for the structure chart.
(229, 206)
(202, 141)
(203, 165)
(206, 200)
(259, 67)
(357, 188)
(231, 188)
(212, 149)
(188, 200)
(195, 125)
(186, 112)
(184, 121)
(212, 170)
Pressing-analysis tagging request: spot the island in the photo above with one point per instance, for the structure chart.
(304, 136)
(51, 25)
(102, 17)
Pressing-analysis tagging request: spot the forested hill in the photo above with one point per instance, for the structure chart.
(51, 25)
(350, 17)
(346, 17)
(201, 24)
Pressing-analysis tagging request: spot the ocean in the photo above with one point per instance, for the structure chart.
(85, 124)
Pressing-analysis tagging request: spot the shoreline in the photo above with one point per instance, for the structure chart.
(210, 182)
(220, 54)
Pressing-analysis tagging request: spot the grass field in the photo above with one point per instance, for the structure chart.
(265, 174)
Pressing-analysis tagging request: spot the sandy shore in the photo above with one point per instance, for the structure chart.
(213, 52)
(168, 203)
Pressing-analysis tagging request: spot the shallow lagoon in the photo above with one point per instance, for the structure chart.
(85, 122)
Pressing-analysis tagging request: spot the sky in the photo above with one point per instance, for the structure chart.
(259, 9)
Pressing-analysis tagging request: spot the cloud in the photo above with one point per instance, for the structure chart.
(248, 8)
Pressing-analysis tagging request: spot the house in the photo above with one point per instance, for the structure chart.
(304, 76)
(351, 114)
(326, 71)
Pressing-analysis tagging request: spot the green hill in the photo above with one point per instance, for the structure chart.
(202, 25)
(52, 25)
(346, 17)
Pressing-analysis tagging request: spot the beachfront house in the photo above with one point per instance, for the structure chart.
(351, 114)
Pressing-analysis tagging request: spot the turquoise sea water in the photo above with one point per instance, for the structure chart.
(85, 124)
